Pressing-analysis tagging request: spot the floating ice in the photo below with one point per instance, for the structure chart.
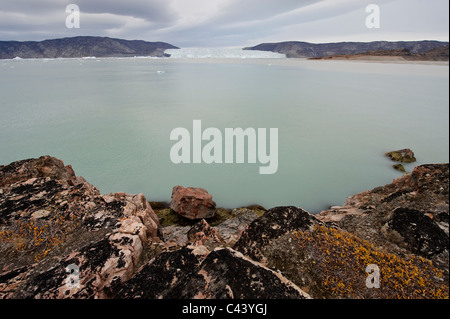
(221, 53)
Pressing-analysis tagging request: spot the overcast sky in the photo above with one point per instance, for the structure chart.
(226, 23)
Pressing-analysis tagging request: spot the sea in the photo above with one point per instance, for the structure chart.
(112, 119)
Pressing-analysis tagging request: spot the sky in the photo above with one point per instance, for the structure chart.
(226, 23)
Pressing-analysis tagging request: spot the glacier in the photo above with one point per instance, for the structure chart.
(221, 53)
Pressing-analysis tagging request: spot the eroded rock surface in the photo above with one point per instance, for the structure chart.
(51, 219)
(275, 223)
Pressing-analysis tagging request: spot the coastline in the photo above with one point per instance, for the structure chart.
(126, 249)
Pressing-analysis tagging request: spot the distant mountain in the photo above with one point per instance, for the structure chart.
(78, 47)
(436, 54)
(313, 50)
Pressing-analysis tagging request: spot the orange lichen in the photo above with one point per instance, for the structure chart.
(340, 259)
(41, 236)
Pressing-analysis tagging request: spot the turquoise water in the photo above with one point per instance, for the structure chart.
(111, 120)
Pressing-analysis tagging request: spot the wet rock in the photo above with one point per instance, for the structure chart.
(275, 223)
(192, 203)
(404, 155)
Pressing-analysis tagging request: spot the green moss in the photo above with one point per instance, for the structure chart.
(221, 215)
(159, 205)
(168, 217)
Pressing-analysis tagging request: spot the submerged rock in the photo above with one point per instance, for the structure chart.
(399, 167)
(404, 155)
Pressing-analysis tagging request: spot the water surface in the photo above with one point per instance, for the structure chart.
(111, 120)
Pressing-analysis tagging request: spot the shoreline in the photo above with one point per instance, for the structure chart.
(121, 245)
(269, 61)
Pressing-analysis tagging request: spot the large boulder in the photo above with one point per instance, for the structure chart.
(275, 223)
(192, 203)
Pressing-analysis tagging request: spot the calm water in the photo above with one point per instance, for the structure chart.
(111, 120)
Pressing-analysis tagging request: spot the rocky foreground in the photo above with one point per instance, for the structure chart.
(61, 238)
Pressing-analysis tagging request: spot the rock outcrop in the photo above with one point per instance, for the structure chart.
(61, 238)
(51, 219)
(195, 273)
(408, 216)
(192, 203)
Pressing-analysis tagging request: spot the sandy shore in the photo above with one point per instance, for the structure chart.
(384, 59)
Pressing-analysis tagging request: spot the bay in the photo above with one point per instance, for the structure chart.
(111, 120)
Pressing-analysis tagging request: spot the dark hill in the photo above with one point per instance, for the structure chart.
(313, 50)
(78, 47)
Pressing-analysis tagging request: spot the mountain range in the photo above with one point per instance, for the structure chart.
(83, 46)
(293, 49)
(88, 46)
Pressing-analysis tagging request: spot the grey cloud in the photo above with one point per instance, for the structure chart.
(238, 23)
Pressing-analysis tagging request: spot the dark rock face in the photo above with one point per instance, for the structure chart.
(227, 274)
(311, 50)
(275, 223)
(421, 234)
(78, 47)
(194, 273)
(157, 279)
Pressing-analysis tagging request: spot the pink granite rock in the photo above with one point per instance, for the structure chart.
(192, 203)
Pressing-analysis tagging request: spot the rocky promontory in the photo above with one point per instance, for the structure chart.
(297, 49)
(61, 238)
(83, 46)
